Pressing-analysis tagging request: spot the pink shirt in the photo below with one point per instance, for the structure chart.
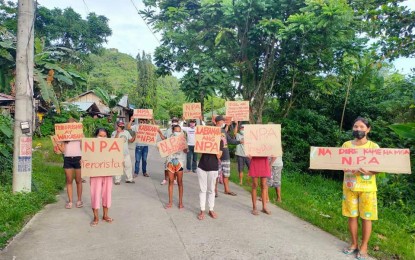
(72, 149)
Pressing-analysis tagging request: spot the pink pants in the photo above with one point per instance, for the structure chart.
(101, 187)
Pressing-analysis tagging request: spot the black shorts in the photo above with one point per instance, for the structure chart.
(241, 161)
(72, 162)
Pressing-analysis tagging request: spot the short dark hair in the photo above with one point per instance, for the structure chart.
(100, 130)
(363, 120)
(174, 126)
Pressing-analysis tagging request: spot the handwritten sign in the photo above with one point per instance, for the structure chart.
(263, 140)
(192, 110)
(172, 145)
(102, 157)
(351, 159)
(147, 134)
(207, 139)
(143, 113)
(69, 131)
(238, 110)
(25, 146)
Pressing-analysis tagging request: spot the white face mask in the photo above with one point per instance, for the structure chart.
(174, 123)
(223, 126)
(176, 133)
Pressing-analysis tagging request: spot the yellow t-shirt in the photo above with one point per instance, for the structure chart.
(359, 182)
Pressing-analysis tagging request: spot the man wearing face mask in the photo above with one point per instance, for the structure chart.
(225, 163)
(191, 162)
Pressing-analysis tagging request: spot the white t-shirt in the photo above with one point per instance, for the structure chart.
(126, 136)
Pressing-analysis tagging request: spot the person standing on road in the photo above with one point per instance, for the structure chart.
(72, 163)
(241, 158)
(174, 169)
(225, 163)
(101, 188)
(359, 193)
(122, 133)
(141, 150)
(207, 174)
(191, 160)
(260, 168)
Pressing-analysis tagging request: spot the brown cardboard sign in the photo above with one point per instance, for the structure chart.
(351, 159)
(207, 139)
(55, 144)
(69, 132)
(192, 110)
(147, 134)
(238, 110)
(263, 140)
(172, 145)
(143, 113)
(102, 157)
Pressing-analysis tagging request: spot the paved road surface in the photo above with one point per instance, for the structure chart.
(143, 229)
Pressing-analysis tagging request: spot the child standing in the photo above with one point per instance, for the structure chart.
(240, 152)
(260, 168)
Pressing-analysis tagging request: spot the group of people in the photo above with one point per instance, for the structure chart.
(359, 187)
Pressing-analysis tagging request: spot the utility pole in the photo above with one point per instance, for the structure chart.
(24, 119)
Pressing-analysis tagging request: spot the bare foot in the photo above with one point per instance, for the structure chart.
(168, 205)
(201, 215)
(181, 206)
(266, 211)
(212, 214)
(94, 223)
(107, 219)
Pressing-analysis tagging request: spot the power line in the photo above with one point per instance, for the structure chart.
(149, 28)
(86, 7)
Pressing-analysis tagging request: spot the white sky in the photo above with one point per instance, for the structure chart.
(130, 34)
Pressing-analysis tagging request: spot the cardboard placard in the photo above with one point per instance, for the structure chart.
(263, 140)
(69, 132)
(238, 110)
(55, 144)
(143, 113)
(228, 120)
(102, 157)
(172, 145)
(351, 159)
(192, 110)
(147, 134)
(207, 139)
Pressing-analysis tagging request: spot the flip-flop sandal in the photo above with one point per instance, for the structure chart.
(108, 220)
(216, 195)
(182, 207)
(79, 204)
(361, 256)
(212, 214)
(266, 211)
(93, 223)
(231, 193)
(350, 251)
(255, 212)
(168, 206)
(201, 216)
(68, 205)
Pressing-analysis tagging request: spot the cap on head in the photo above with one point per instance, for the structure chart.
(219, 118)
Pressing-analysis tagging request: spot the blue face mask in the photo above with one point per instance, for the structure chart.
(241, 132)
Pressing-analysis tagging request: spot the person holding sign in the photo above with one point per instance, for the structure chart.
(260, 167)
(101, 187)
(207, 174)
(359, 193)
(122, 133)
(240, 152)
(72, 163)
(141, 150)
(191, 160)
(174, 169)
(225, 163)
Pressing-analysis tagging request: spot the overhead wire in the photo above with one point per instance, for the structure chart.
(149, 28)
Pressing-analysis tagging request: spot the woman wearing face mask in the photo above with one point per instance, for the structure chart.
(174, 169)
(359, 193)
(101, 187)
(241, 158)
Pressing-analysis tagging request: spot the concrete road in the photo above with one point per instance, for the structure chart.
(143, 229)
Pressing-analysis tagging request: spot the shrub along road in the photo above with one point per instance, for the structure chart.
(143, 229)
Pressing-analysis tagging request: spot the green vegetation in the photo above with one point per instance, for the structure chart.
(318, 200)
(47, 181)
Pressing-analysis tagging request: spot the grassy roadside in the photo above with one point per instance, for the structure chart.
(47, 180)
(318, 200)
